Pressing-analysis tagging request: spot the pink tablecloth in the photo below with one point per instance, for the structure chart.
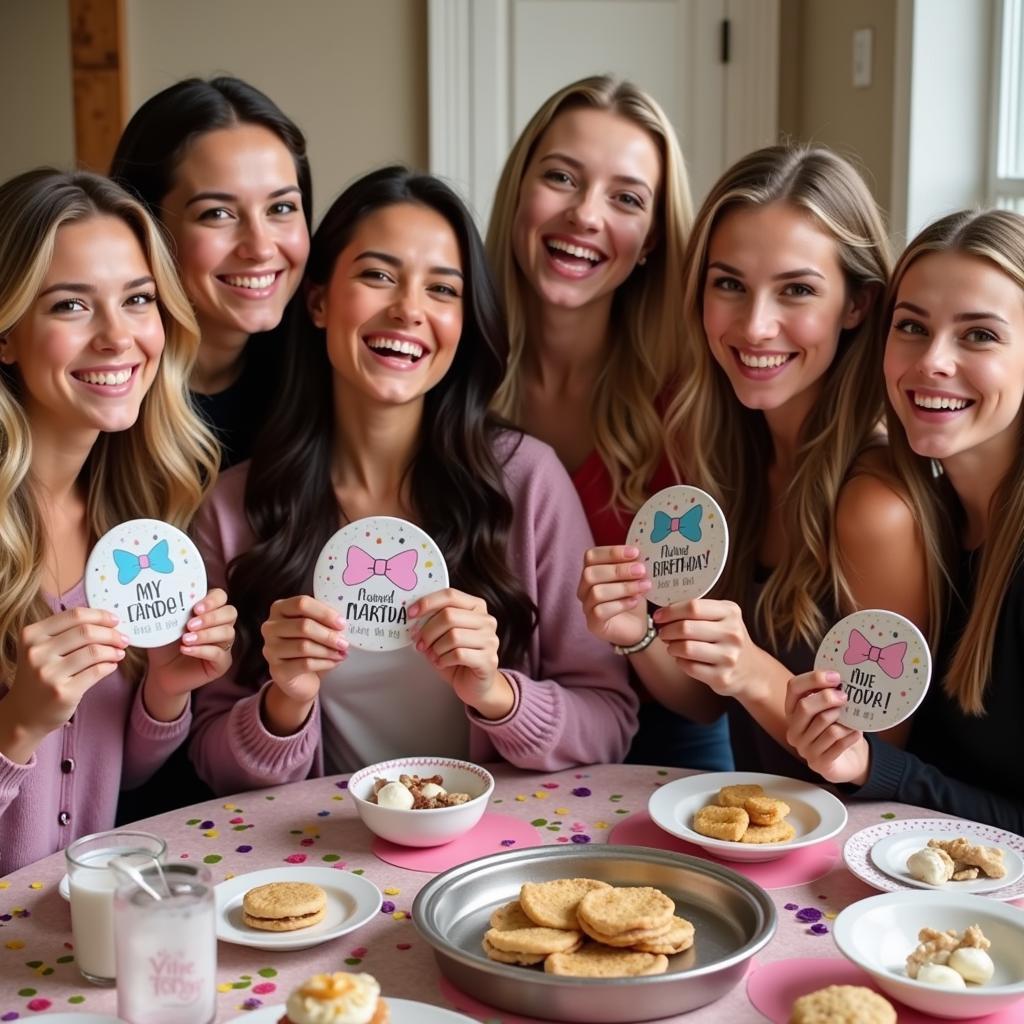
(315, 823)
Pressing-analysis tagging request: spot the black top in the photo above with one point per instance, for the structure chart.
(964, 765)
(237, 413)
(753, 749)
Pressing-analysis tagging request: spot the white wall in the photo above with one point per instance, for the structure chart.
(36, 115)
(351, 73)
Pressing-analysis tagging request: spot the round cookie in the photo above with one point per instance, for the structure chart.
(842, 1004)
(625, 939)
(725, 823)
(554, 904)
(631, 908)
(765, 810)
(513, 932)
(520, 959)
(781, 832)
(735, 796)
(594, 961)
(678, 938)
(283, 906)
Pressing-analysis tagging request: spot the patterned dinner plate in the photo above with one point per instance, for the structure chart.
(403, 1011)
(862, 860)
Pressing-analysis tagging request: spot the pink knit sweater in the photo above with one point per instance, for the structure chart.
(573, 703)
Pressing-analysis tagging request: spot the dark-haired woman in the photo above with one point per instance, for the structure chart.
(226, 173)
(387, 386)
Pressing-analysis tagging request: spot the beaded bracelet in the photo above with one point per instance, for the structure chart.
(643, 643)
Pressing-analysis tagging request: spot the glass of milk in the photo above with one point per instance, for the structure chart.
(92, 884)
(167, 948)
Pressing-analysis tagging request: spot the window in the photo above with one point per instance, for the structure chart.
(1007, 180)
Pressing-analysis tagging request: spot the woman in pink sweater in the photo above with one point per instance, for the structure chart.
(383, 411)
(96, 341)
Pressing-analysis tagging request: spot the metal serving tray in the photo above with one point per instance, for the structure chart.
(733, 917)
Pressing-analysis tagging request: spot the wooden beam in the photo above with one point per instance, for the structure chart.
(98, 80)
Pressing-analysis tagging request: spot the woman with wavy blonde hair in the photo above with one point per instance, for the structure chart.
(954, 373)
(96, 343)
(779, 419)
(586, 242)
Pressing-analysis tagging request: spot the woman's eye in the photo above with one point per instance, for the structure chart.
(141, 299)
(727, 284)
(376, 276)
(283, 208)
(68, 306)
(909, 327)
(980, 334)
(558, 177)
(215, 213)
(798, 291)
(631, 199)
(444, 289)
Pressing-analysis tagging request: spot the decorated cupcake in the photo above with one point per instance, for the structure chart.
(339, 998)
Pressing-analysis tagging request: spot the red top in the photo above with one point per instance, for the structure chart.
(609, 525)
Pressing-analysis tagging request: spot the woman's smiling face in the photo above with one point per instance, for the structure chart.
(586, 207)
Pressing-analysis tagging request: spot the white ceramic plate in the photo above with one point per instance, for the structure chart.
(859, 859)
(890, 855)
(403, 1011)
(351, 902)
(815, 814)
(879, 932)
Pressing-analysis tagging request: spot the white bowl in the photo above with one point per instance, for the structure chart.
(432, 826)
(815, 814)
(879, 932)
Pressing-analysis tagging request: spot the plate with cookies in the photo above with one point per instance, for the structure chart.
(746, 816)
(946, 854)
(293, 907)
(606, 935)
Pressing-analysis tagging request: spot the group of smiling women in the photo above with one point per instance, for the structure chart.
(860, 424)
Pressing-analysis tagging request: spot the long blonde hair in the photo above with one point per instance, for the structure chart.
(644, 358)
(160, 467)
(998, 237)
(726, 448)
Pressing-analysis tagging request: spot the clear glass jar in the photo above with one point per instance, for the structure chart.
(91, 885)
(167, 949)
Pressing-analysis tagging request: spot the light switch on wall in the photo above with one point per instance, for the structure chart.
(862, 58)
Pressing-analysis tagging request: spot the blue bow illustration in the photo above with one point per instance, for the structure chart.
(688, 525)
(129, 566)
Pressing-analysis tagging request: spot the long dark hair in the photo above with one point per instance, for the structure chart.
(155, 139)
(455, 477)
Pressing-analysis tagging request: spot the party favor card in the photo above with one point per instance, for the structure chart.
(150, 575)
(884, 665)
(683, 540)
(371, 571)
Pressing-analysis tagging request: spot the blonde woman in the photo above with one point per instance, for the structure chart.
(586, 242)
(954, 373)
(779, 419)
(88, 295)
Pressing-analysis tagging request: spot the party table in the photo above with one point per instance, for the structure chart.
(314, 823)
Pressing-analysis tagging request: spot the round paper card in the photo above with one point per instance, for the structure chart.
(150, 575)
(683, 539)
(371, 571)
(884, 664)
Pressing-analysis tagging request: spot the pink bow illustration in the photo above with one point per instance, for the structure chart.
(889, 659)
(400, 569)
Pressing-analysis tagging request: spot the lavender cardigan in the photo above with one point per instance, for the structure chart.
(573, 702)
(69, 787)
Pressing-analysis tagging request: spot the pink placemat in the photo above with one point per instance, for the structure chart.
(773, 987)
(494, 833)
(796, 868)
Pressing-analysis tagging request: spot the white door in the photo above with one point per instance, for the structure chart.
(711, 64)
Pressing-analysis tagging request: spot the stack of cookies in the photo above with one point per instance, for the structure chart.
(745, 814)
(633, 930)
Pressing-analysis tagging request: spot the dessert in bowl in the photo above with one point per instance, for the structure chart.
(422, 817)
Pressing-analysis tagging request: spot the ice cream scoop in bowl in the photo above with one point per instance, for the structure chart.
(428, 814)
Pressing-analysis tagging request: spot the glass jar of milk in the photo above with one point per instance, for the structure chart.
(92, 883)
(167, 948)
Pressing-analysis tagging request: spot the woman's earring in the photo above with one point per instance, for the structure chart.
(642, 261)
